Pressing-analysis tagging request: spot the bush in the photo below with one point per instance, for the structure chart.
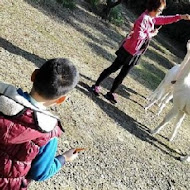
(94, 3)
(67, 3)
(116, 16)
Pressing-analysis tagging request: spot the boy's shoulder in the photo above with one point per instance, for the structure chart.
(12, 103)
(8, 102)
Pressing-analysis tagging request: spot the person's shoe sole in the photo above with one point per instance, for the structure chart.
(112, 101)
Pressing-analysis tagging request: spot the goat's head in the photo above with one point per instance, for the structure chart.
(188, 45)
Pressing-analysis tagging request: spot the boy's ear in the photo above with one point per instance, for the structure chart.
(61, 100)
(33, 76)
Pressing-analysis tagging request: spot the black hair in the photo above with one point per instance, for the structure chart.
(55, 78)
(154, 5)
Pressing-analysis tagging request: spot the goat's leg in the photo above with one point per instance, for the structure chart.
(156, 98)
(161, 108)
(165, 121)
(177, 124)
(150, 104)
(156, 91)
(169, 97)
(162, 99)
(185, 158)
(165, 101)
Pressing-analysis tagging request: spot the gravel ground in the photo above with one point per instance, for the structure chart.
(121, 154)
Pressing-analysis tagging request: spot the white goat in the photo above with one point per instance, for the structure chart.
(164, 92)
(181, 100)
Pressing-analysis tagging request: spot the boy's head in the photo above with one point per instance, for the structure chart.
(156, 5)
(55, 78)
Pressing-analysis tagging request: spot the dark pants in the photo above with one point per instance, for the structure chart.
(125, 61)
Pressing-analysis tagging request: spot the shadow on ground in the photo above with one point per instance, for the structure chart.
(127, 122)
(147, 74)
(10, 47)
(122, 89)
(78, 17)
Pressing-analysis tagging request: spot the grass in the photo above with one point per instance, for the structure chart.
(148, 75)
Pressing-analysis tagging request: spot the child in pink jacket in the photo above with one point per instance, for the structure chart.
(135, 44)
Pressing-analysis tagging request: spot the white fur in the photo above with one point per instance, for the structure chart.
(181, 100)
(164, 92)
(9, 107)
(185, 158)
(11, 103)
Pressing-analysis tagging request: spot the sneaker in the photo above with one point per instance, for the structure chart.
(96, 90)
(111, 97)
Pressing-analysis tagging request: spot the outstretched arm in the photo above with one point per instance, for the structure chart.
(163, 20)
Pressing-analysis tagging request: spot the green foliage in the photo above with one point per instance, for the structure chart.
(94, 3)
(67, 3)
(116, 16)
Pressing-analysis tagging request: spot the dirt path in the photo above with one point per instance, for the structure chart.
(122, 155)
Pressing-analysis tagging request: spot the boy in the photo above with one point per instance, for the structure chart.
(28, 133)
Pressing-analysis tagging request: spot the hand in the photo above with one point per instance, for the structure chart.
(185, 17)
(173, 82)
(154, 32)
(70, 155)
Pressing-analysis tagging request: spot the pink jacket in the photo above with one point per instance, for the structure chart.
(142, 30)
